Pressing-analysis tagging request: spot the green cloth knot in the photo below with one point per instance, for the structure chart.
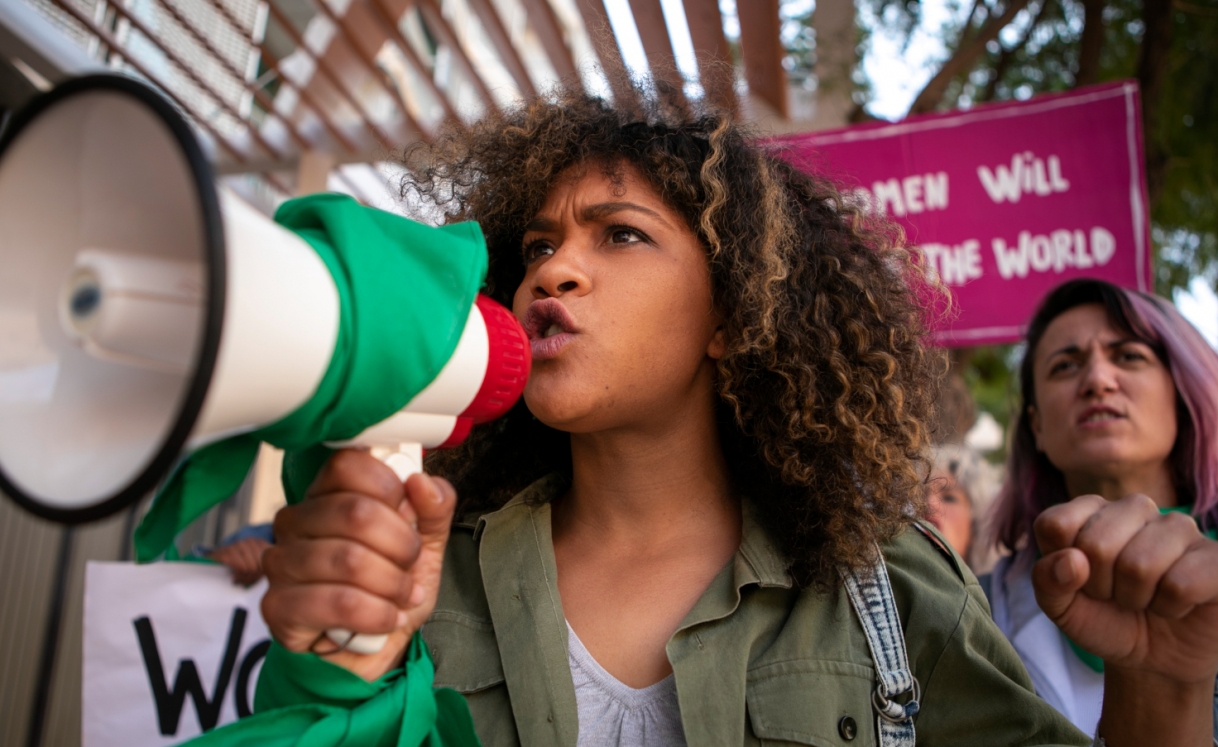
(305, 701)
(405, 291)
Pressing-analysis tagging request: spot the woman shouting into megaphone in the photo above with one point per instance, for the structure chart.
(702, 525)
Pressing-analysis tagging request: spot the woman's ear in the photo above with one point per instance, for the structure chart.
(1034, 424)
(718, 345)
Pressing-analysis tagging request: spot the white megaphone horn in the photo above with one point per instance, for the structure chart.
(144, 312)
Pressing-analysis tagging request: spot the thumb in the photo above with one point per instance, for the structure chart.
(1057, 579)
(433, 500)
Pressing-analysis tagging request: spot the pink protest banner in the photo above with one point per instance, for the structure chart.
(1004, 201)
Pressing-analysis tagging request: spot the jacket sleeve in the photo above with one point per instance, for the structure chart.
(305, 701)
(979, 686)
(974, 687)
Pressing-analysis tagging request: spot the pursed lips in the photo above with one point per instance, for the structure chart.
(550, 327)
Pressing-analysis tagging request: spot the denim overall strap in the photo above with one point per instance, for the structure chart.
(871, 596)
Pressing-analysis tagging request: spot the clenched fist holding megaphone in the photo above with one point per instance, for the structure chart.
(145, 313)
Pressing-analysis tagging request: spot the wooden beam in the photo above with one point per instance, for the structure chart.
(236, 74)
(836, 57)
(359, 30)
(762, 50)
(495, 31)
(326, 68)
(439, 26)
(653, 32)
(290, 164)
(305, 95)
(313, 172)
(596, 21)
(389, 24)
(190, 73)
(106, 37)
(715, 69)
(549, 31)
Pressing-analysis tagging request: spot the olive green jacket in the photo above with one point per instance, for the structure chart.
(756, 660)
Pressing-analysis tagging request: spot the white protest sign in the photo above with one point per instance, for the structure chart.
(170, 650)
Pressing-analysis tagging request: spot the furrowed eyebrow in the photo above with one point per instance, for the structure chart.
(1075, 349)
(603, 210)
(541, 224)
(600, 211)
(1068, 350)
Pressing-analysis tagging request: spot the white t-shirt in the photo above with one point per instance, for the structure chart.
(612, 714)
(1060, 677)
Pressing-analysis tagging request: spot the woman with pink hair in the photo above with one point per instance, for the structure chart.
(1120, 403)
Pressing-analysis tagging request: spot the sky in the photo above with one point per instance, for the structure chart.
(897, 74)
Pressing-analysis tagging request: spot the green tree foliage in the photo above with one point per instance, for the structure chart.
(1186, 214)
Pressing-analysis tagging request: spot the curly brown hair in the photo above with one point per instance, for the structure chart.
(827, 382)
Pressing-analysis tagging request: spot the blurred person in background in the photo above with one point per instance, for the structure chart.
(948, 505)
(960, 495)
(242, 552)
(1120, 405)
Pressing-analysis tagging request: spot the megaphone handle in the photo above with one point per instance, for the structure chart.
(405, 460)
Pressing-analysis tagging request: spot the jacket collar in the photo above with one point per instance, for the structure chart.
(519, 573)
(767, 564)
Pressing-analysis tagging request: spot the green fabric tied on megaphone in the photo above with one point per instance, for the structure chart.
(405, 291)
(312, 703)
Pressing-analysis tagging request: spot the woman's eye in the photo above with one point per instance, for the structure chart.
(535, 250)
(1060, 367)
(955, 497)
(1131, 356)
(620, 235)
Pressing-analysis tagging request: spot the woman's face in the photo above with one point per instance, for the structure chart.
(1105, 403)
(616, 299)
(951, 511)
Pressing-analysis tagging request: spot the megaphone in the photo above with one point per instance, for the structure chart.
(145, 312)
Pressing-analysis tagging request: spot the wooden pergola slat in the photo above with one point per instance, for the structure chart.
(653, 32)
(305, 95)
(323, 65)
(390, 26)
(357, 40)
(541, 17)
(495, 30)
(714, 56)
(105, 36)
(439, 26)
(348, 67)
(195, 78)
(257, 92)
(596, 21)
(762, 50)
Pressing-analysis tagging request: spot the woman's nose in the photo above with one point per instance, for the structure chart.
(560, 274)
(1099, 377)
